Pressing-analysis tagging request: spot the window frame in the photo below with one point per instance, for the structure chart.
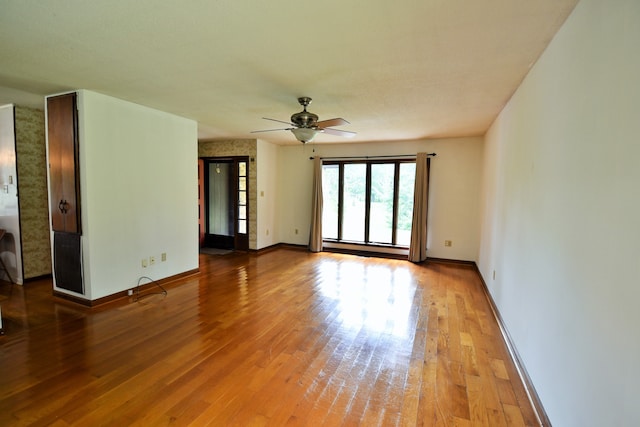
(396, 162)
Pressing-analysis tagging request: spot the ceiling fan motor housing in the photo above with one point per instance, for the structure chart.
(304, 118)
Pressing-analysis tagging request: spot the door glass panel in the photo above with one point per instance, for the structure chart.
(242, 197)
(405, 203)
(219, 200)
(330, 189)
(381, 213)
(354, 192)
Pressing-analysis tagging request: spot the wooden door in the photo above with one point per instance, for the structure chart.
(62, 131)
(227, 202)
(201, 203)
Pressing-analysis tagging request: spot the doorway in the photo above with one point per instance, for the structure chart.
(226, 203)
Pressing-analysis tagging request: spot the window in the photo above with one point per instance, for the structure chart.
(242, 197)
(368, 202)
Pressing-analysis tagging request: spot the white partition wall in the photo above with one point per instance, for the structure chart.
(139, 200)
(561, 213)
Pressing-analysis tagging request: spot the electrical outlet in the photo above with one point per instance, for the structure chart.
(144, 263)
(152, 260)
(267, 231)
(494, 275)
(163, 257)
(447, 242)
(130, 292)
(296, 231)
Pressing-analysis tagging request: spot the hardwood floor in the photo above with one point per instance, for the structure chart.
(281, 338)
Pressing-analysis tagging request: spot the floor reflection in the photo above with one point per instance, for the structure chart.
(375, 297)
(243, 289)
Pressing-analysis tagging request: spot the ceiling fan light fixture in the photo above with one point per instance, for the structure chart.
(304, 135)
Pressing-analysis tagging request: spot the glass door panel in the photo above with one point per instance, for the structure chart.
(242, 198)
(354, 196)
(381, 208)
(405, 203)
(330, 200)
(219, 202)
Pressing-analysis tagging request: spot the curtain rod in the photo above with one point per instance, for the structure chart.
(402, 156)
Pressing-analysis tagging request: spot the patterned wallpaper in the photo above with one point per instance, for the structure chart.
(32, 191)
(239, 147)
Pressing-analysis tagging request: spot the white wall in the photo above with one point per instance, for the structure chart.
(561, 217)
(454, 189)
(267, 159)
(139, 193)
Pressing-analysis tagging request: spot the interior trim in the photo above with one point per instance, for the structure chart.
(124, 293)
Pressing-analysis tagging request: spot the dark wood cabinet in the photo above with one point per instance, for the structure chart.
(64, 185)
(62, 119)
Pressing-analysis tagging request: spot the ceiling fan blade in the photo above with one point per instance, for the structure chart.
(339, 132)
(332, 122)
(279, 121)
(270, 130)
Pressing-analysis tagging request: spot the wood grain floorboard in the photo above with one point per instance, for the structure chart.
(279, 338)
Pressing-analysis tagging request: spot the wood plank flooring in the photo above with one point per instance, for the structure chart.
(281, 338)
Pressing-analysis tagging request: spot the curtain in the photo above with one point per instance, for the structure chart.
(418, 245)
(315, 235)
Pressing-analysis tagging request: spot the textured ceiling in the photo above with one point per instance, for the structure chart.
(396, 70)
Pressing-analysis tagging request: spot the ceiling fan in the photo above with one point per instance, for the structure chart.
(306, 125)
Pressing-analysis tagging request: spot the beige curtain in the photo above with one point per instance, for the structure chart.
(418, 245)
(315, 235)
